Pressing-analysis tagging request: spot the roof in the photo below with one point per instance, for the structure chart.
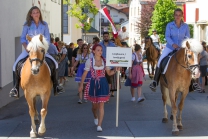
(92, 30)
(119, 6)
(120, 10)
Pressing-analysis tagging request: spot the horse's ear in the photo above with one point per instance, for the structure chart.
(41, 38)
(187, 45)
(28, 38)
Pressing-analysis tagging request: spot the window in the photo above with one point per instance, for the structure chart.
(65, 19)
(121, 20)
(102, 20)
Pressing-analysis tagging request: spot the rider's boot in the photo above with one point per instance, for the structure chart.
(15, 91)
(154, 84)
(56, 88)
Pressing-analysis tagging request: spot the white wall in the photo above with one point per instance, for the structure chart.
(134, 14)
(13, 15)
(200, 30)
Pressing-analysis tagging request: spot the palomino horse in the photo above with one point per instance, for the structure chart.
(36, 80)
(152, 55)
(183, 66)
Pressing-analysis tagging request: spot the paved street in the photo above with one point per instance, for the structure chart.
(66, 119)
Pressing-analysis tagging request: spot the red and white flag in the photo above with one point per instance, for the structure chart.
(105, 12)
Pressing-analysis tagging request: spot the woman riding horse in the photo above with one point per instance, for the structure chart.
(176, 32)
(34, 25)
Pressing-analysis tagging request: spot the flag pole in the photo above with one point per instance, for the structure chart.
(117, 101)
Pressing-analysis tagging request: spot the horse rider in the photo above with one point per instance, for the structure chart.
(34, 25)
(124, 37)
(176, 32)
(156, 39)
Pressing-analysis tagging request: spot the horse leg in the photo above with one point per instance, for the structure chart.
(37, 122)
(42, 128)
(175, 130)
(180, 107)
(153, 69)
(33, 132)
(148, 68)
(165, 99)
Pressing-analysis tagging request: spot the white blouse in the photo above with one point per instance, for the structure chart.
(134, 56)
(88, 64)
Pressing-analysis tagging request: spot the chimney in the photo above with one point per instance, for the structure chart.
(118, 4)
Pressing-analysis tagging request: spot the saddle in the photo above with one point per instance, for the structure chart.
(165, 60)
(164, 64)
(21, 63)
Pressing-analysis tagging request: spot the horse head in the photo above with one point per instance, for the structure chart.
(193, 48)
(148, 42)
(37, 48)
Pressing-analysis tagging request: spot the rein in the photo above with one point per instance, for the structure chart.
(189, 67)
(37, 59)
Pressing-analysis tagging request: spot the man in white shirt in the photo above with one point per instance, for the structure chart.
(124, 37)
(155, 39)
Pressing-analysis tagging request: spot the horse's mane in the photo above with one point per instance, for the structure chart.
(35, 43)
(195, 45)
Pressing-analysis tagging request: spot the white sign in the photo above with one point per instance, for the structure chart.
(118, 57)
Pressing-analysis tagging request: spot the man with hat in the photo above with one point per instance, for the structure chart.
(155, 39)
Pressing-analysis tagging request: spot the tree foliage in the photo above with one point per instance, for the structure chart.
(122, 1)
(144, 22)
(162, 14)
(105, 1)
(82, 10)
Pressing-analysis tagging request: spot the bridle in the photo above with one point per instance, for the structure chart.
(189, 67)
(37, 59)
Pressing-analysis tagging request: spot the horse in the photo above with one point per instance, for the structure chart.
(183, 66)
(118, 41)
(152, 55)
(36, 81)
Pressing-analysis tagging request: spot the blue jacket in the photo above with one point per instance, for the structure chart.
(33, 30)
(110, 44)
(175, 35)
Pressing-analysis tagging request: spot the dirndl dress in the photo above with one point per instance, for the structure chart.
(80, 70)
(97, 89)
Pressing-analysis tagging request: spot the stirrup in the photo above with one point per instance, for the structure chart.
(14, 93)
(152, 86)
(196, 87)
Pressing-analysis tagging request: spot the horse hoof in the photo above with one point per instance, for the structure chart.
(180, 127)
(164, 120)
(175, 133)
(33, 135)
(41, 134)
(171, 117)
(37, 122)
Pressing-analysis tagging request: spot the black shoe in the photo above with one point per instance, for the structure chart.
(196, 87)
(15, 91)
(58, 90)
(153, 86)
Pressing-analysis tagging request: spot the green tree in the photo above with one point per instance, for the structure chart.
(191, 28)
(83, 10)
(122, 1)
(162, 14)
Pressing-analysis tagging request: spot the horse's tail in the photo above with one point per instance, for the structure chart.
(165, 95)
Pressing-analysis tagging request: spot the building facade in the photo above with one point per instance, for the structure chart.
(195, 14)
(12, 20)
(117, 15)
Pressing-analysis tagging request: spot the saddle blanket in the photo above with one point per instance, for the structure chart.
(166, 65)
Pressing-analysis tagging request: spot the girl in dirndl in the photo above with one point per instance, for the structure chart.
(97, 89)
(136, 73)
(82, 56)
